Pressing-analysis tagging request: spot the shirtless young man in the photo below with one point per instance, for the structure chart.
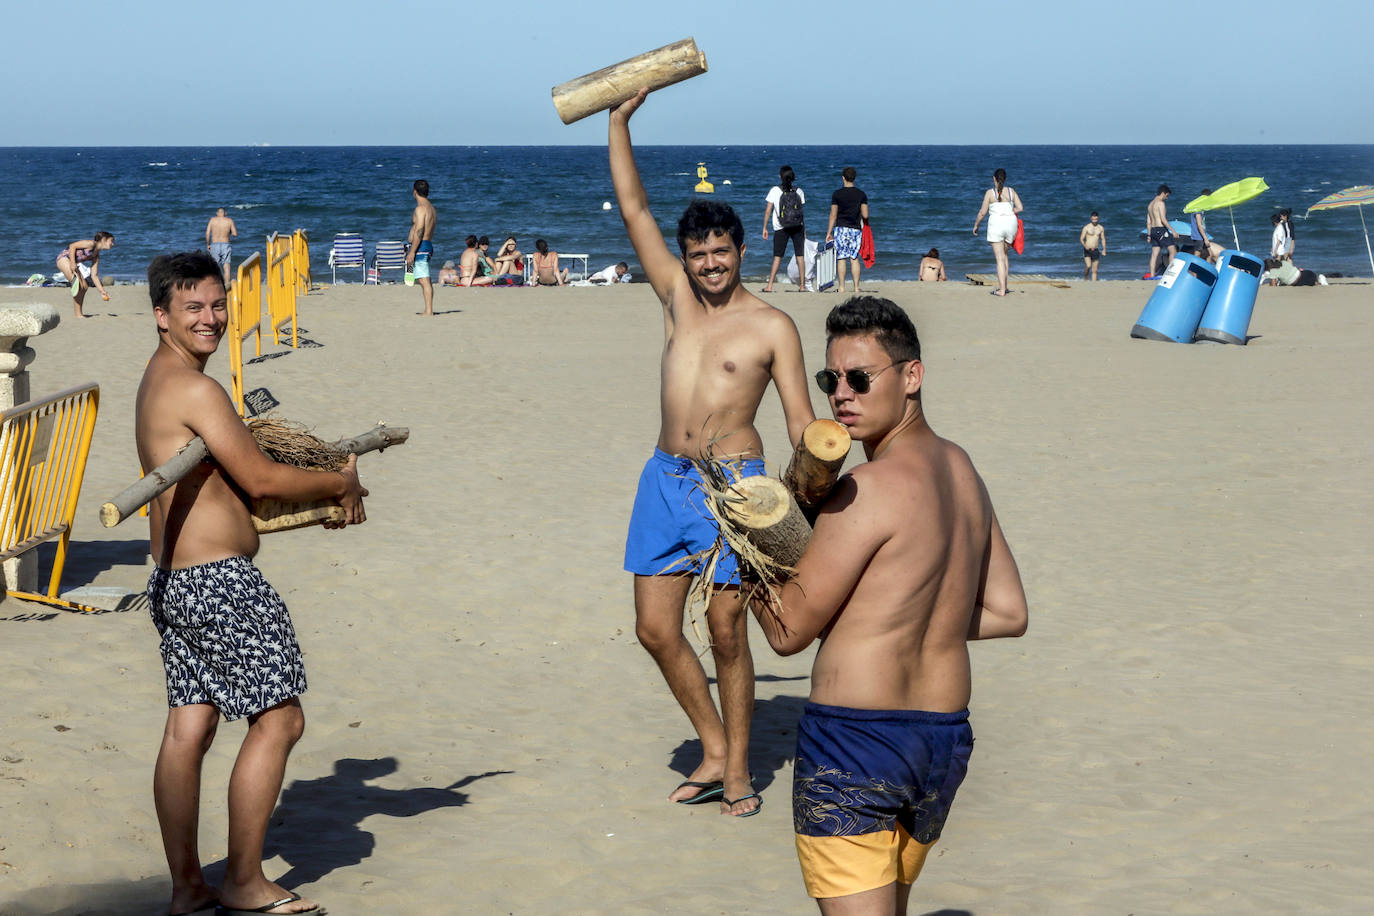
(906, 563)
(228, 646)
(1093, 238)
(218, 232)
(1157, 225)
(722, 346)
(421, 244)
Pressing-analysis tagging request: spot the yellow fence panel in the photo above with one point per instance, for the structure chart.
(280, 286)
(43, 449)
(245, 317)
(300, 261)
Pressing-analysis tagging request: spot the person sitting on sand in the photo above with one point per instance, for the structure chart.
(79, 262)
(546, 272)
(469, 266)
(448, 274)
(1283, 272)
(616, 273)
(509, 260)
(932, 268)
(486, 267)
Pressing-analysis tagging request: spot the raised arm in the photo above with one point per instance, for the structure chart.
(662, 269)
(1000, 608)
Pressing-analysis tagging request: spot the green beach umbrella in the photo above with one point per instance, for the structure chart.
(1228, 196)
(1357, 196)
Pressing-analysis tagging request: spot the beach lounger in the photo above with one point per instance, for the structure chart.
(348, 252)
(389, 256)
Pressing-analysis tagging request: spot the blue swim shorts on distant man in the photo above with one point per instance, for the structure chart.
(422, 253)
(670, 521)
(220, 252)
(871, 789)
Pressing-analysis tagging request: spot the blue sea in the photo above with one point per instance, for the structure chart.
(156, 200)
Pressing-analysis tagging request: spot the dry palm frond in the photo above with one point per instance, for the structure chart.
(292, 443)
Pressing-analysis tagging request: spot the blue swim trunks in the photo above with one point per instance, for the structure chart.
(871, 789)
(422, 253)
(847, 242)
(670, 521)
(227, 638)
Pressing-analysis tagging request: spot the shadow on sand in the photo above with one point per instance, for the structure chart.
(772, 739)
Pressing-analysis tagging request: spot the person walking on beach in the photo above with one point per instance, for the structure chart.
(80, 262)
(1203, 246)
(783, 208)
(907, 562)
(1093, 238)
(1000, 206)
(218, 232)
(848, 216)
(1161, 235)
(228, 647)
(722, 346)
(420, 244)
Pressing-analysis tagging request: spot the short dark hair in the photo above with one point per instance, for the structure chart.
(1205, 192)
(704, 218)
(1275, 218)
(1163, 189)
(1092, 214)
(624, 265)
(421, 187)
(883, 318)
(470, 241)
(483, 240)
(849, 173)
(101, 236)
(182, 270)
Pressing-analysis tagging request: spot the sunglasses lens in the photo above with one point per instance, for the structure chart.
(827, 381)
(858, 380)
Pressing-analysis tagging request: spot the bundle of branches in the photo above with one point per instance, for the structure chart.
(292, 443)
(759, 520)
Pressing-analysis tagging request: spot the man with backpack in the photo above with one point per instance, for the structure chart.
(783, 207)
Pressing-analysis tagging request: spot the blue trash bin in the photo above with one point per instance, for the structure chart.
(1227, 317)
(1177, 304)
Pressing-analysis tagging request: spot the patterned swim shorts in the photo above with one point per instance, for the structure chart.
(227, 638)
(847, 242)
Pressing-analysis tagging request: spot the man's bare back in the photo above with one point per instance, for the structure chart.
(1156, 214)
(220, 229)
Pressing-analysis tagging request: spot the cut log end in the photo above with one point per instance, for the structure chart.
(827, 440)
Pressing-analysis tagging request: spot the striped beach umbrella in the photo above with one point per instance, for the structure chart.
(1357, 196)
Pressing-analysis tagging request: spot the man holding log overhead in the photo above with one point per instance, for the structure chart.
(228, 646)
(722, 346)
(906, 563)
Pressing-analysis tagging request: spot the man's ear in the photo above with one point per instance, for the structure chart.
(161, 315)
(913, 376)
(742, 249)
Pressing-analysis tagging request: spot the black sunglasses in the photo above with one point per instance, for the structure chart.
(860, 380)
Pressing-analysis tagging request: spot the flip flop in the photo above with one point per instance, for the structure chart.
(730, 803)
(223, 910)
(709, 791)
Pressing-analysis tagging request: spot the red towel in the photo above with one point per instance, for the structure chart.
(1018, 244)
(867, 253)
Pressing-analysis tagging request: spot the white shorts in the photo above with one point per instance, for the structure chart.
(1001, 227)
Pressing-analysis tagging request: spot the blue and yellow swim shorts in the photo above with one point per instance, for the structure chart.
(870, 793)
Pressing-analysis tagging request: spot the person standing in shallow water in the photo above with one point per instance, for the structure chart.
(1001, 204)
(722, 347)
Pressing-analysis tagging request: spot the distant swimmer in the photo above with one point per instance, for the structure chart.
(218, 233)
(907, 563)
(1160, 232)
(1000, 206)
(80, 264)
(421, 244)
(1093, 238)
(722, 347)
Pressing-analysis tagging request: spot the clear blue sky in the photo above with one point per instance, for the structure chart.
(419, 72)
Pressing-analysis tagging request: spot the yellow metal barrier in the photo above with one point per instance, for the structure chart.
(245, 317)
(300, 261)
(43, 450)
(280, 285)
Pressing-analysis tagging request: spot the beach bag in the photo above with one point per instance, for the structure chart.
(868, 253)
(790, 209)
(1018, 244)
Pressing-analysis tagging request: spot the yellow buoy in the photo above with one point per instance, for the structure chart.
(703, 186)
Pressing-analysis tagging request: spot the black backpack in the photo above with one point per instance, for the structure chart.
(790, 209)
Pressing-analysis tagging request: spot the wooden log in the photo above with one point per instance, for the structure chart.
(816, 463)
(271, 515)
(770, 519)
(586, 95)
(162, 477)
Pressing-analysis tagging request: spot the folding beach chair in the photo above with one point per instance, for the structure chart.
(390, 256)
(348, 251)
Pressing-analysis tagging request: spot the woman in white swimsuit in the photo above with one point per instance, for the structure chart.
(1000, 206)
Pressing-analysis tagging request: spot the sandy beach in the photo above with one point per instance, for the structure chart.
(1180, 732)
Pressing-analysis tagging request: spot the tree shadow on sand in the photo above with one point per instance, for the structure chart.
(315, 827)
(772, 739)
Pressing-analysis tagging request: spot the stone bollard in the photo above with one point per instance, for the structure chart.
(18, 323)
